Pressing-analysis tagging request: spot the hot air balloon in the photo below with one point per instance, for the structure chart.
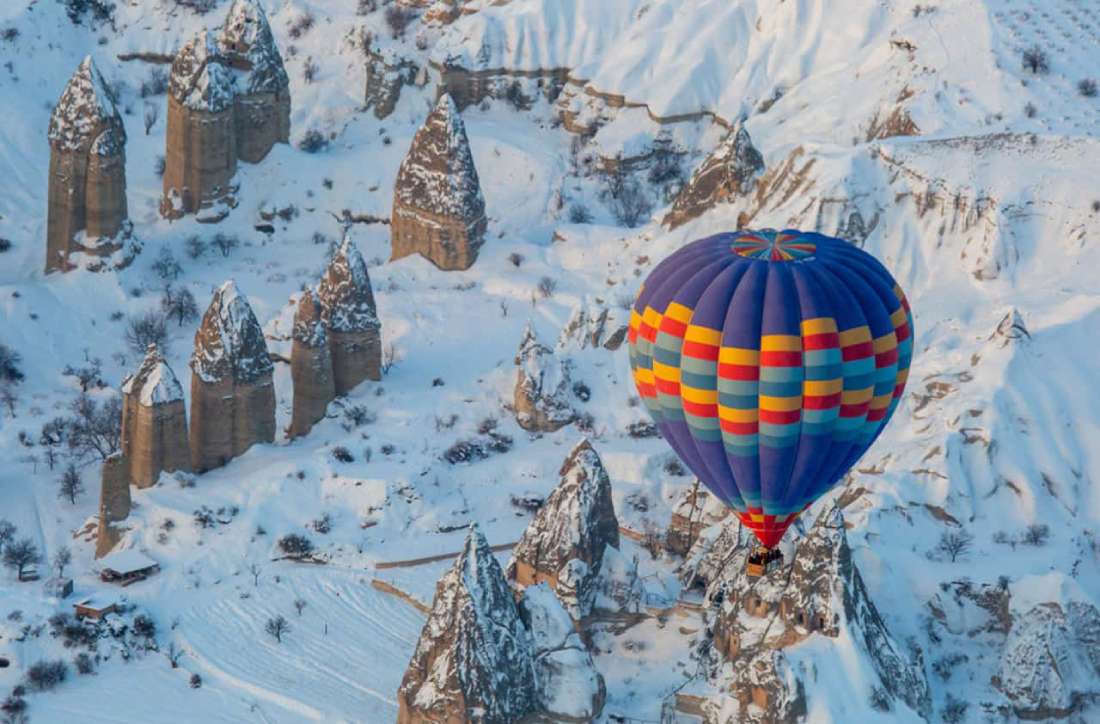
(770, 362)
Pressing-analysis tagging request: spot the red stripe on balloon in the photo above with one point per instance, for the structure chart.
(700, 409)
(673, 327)
(827, 340)
(668, 387)
(780, 359)
(739, 428)
(820, 402)
(857, 351)
(742, 373)
(698, 350)
(887, 358)
(855, 410)
(780, 417)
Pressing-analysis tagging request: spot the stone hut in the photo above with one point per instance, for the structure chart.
(114, 504)
(201, 145)
(310, 366)
(228, 100)
(438, 209)
(232, 395)
(565, 542)
(729, 172)
(351, 319)
(263, 88)
(473, 661)
(154, 423)
(87, 178)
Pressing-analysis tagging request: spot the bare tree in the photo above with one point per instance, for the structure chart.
(299, 606)
(20, 554)
(173, 654)
(955, 544)
(1036, 534)
(255, 569)
(70, 485)
(147, 328)
(7, 532)
(152, 112)
(62, 558)
(179, 304)
(8, 397)
(95, 429)
(277, 627)
(225, 243)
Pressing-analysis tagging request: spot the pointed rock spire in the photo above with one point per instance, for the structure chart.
(154, 422)
(247, 43)
(200, 80)
(154, 383)
(87, 178)
(541, 397)
(310, 366)
(438, 209)
(351, 318)
(576, 523)
(232, 396)
(728, 172)
(473, 660)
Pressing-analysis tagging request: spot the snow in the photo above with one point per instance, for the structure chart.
(126, 561)
(87, 107)
(199, 80)
(155, 381)
(230, 341)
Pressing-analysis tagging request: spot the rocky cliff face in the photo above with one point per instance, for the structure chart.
(351, 319)
(387, 74)
(820, 593)
(543, 387)
(228, 100)
(565, 541)
(570, 689)
(473, 661)
(87, 209)
(730, 171)
(438, 209)
(114, 504)
(154, 422)
(232, 396)
(310, 366)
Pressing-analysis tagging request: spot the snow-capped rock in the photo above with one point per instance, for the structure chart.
(543, 386)
(438, 209)
(200, 80)
(154, 422)
(727, 173)
(350, 318)
(229, 343)
(247, 44)
(695, 510)
(474, 656)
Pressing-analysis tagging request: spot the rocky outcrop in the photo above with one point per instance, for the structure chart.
(565, 542)
(262, 106)
(570, 689)
(387, 74)
(228, 100)
(350, 319)
(473, 661)
(154, 422)
(310, 366)
(729, 172)
(87, 209)
(232, 395)
(1050, 664)
(695, 510)
(821, 593)
(201, 140)
(543, 386)
(114, 504)
(438, 209)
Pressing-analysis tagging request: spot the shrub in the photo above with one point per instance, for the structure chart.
(547, 286)
(582, 391)
(954, 710)
(46, 675)
(342, 455)
(147, 328)
(195, 246)
(1030, 110)
(84, 663)
(196, 681)
(5, 245)
(310, 70)
(1035, 60)
(144, 626)
(313, 141)
(1036, 535)
(295, 546)
(398, 19)
(1087, 87)
(166, 266)
(579, 214)
(225, 243)
(301, 25)
(9, 364)
(322, 525)
(630, 205)
(14, 707)
(516, 258)
(159, 165)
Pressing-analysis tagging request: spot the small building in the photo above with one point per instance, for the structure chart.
(94, 607)
(29, 573)
(58, 587)
(126, 567)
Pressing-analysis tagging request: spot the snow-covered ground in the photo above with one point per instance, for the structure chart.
(993, 208)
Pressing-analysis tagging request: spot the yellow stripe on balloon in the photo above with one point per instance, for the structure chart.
(885, 343)
(856, 335)
(703, 335)
(818, 388)
(738, 356)
(781, 343)
(735, 414)
(856, 397)
(679, 312)
(780, 404)
(818, 325)
(665, 372)
(702, 397)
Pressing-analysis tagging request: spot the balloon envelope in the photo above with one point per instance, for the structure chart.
(770, 361)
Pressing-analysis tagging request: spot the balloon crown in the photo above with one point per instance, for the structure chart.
(772, 245)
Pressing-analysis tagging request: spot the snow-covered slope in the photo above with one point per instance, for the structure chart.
(985, 211)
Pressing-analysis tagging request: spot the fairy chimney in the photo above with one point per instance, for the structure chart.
(310, 366)
(541, 397)
(263, 88)
(154, 423)
(565, 541)
(729, 172)
(232, 395)
(350, 318)
(473, 661)
(87, 177)
(114, 504)
(438, 209)
(201, 143)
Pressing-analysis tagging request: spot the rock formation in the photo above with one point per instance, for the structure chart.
(201, 144)
(87, 178)
(228, 100)
(565, 542)
(387, 74)
(114, 504)
(263, 88)
(154, 423)
(543, 385)
(821, 593)
(310, 366)
(350, 318)
(473, 661)
(727, 173)
(232, 395)
(696, 510)
(570, 689)
(438, 210)
(1050, 664)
